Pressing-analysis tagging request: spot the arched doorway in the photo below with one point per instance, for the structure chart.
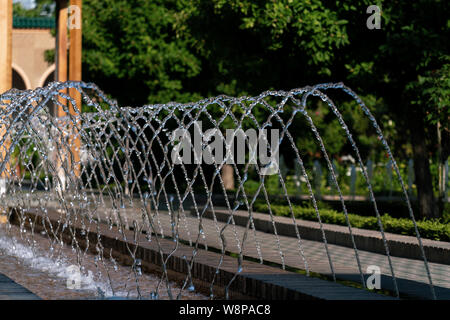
(17, 81)
(50, 78)
(19, 78)
(47, 77)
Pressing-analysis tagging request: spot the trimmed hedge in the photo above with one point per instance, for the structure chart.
(429, 229)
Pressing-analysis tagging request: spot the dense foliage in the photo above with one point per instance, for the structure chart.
(163, 50)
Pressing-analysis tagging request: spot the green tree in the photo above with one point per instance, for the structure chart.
(410, 46)
(434, 87)
(157, 51)
(250, 46)
(202, 48)
(130, 48)
(44, 8)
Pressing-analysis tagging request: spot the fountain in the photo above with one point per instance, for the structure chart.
(103, 183)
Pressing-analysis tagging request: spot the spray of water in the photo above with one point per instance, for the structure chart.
(109, 168)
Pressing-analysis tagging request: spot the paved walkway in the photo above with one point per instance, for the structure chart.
(10, 290)
(411, 275)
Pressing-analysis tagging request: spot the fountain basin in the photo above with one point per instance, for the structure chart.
(256, 281)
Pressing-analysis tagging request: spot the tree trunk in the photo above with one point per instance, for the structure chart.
(441, 178)
(422, 169)
(228, 176)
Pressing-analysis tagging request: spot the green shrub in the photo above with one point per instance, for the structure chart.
(430, 229)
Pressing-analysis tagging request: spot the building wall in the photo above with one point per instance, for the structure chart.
(29, 46)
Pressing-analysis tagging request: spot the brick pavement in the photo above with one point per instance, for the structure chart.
(411, 275)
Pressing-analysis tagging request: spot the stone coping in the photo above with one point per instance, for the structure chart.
(256, 281)
(368, 240)
(10, 290)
